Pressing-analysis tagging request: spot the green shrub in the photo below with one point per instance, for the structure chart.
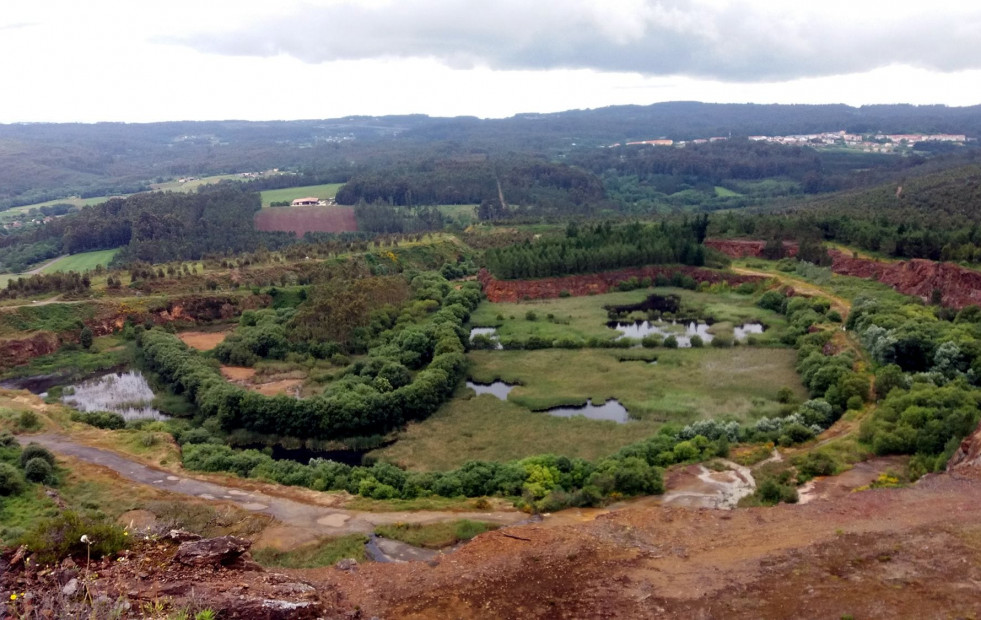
(531, 316)
(697, 342)
(815, 464)
(652, 341)
(722, 341)
(37, 470)
(33, 451)
(28, 421)
(671, 342)
(53, 539)
(100, 419)
(11, 481)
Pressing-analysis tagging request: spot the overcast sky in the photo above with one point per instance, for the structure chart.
(153, 60)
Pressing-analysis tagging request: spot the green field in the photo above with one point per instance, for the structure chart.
(582, 318)
(686, 384)
(722, 192)
(20, 212)
(461, 214)
(323, 192)
(190, 186)
(81, 262)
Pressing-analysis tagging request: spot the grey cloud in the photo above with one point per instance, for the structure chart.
(737, 42)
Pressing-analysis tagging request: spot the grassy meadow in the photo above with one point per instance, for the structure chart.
(685, 385)
(81, 262)
(328, 190)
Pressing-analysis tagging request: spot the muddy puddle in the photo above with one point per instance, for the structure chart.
(697, 486)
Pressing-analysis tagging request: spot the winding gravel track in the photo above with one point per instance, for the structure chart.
(315, 520)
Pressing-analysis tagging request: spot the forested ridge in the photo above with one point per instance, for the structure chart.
(42, 161)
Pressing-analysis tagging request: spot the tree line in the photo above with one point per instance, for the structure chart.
(601, 247)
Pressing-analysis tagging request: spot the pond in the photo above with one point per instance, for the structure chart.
(741, 332)
(610, 410)
(125, 393)
(681, 330)
(498, 388)
(490, 332)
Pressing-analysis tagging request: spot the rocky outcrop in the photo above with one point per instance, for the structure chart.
(222, 551)
(968, 454)
(594, 283)
(741, 248)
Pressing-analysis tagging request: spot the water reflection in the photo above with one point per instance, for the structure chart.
(681, 330)
(610, 410)
(125, 393)
(490, 332)
(498, 388)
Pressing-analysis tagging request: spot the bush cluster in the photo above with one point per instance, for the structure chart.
(372, 397)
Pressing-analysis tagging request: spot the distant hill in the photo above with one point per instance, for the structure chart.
(50, 161)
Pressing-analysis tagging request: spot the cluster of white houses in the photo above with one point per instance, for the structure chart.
(873, 142)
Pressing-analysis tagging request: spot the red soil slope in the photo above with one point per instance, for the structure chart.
(592, 284)
(958, 285)
(741, 248)
(302, 220)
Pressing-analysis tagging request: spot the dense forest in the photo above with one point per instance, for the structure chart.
(930, 216)
(151, 227)
(601, 247)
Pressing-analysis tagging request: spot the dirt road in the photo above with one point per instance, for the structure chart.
(298, 522)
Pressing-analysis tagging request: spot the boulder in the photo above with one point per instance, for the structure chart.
(222, 551)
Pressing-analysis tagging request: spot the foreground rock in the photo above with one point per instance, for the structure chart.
(215, 574)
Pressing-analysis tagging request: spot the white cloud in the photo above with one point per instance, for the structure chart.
(184, 59)
(739, 40)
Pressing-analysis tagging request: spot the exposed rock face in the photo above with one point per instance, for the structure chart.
(18, 351)
(593, 284)
(958, 286)
(968, 454)
(111, 318)
(741, 248)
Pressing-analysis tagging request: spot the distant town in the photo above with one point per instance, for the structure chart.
(870, 143)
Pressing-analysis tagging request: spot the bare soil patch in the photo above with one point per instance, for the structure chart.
(203, 341)
(237, 373)
(290, 387)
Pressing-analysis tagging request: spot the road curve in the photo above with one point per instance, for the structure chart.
(317, 521)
